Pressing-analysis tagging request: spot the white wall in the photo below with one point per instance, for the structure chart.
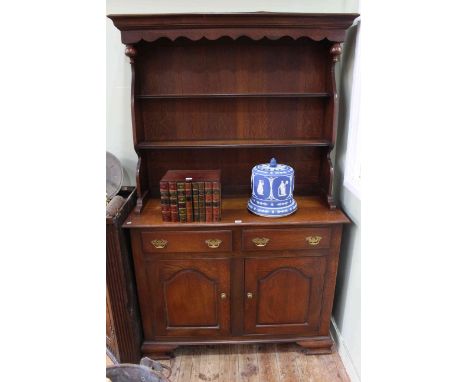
(347, 309)
(152, 6)
(347, 306)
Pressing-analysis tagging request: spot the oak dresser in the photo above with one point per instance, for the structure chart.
(229, 91)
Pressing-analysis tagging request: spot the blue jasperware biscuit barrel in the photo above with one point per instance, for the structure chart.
(272, 190)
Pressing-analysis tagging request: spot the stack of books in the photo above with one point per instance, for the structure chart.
(189, 196)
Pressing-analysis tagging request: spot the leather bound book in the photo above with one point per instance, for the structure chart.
(181, 202)
(197, 176)
(196, 210)
(209, 201)
(201, 201)
(188, 200)
(173, 201)
(216, 201)
(165, 201)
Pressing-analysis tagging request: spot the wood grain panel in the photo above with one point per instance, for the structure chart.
(311, 210)
(185, 296)
(236, 165)
(281, 289)
(186, 241)
(227, 66)
(178, 294)
(282, 239)
(269, 298)
(232, 118)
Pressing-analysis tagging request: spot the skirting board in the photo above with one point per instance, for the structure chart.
(344, 352)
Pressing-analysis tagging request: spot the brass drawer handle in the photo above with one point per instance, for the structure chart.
(250, 295)
(260, 241)
(213, 243)
(223, 296)
(159, 243)
(313, 240)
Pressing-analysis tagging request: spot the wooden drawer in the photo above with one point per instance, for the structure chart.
(284, 239)
(186, 241)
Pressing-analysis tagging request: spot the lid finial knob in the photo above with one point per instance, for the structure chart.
(273, 162)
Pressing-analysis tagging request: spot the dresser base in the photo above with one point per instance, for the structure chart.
(158, 350)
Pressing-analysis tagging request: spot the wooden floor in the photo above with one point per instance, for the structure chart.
(259, 363)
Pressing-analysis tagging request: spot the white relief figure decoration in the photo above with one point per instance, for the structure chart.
(271, 196)
(282, 188)
(260, 190)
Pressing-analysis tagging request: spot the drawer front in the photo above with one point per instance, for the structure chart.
(186, 241)
(285, 239)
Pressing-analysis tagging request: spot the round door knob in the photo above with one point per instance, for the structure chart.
(223, 296)
(249, 295)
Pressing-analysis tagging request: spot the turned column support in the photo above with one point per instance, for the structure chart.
(130, 52)
(336, 51)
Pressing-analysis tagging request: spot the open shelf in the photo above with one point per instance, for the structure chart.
(311, 210)
(233, 143)
(233, 95)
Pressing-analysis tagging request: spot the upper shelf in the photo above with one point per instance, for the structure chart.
(229, 143)
(212, 26)
(234, 95)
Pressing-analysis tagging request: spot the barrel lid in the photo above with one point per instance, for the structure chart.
(273, 168)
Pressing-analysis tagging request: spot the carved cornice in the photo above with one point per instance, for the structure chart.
(213, 26)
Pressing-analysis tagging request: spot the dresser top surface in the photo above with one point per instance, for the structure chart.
(311, 210)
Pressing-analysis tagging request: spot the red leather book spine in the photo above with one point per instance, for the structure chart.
(196, 209)
(165, 201)
(216, 201)
(201, 201)
(188, 201)
(209, 201)
(181, 202)
(173, 202)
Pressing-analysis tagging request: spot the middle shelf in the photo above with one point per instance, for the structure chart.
(234, 213)
(235, 95)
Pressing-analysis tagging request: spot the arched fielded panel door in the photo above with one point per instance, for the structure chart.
(190, 297)
(283, 295)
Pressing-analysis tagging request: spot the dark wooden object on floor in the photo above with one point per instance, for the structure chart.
(230, 91)
(123, 326)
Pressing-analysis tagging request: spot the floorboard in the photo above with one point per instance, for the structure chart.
(254, 363)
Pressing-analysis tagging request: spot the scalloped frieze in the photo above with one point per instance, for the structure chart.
(133, 37)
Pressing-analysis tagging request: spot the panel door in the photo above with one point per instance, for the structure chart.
(284, 295)
(189, 297)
